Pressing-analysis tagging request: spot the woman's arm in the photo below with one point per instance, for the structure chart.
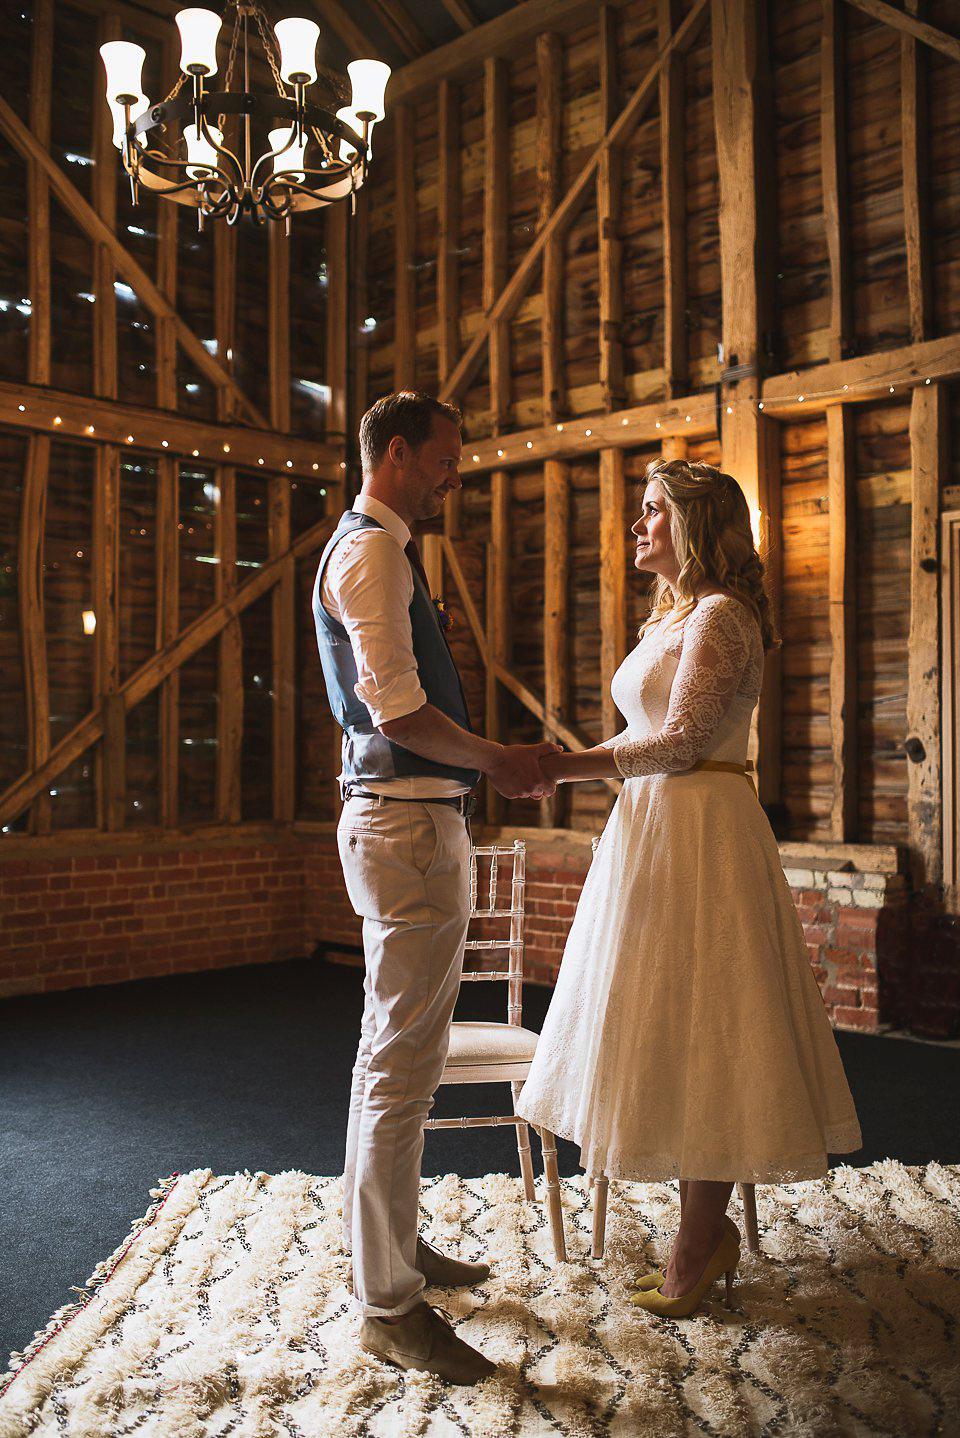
(597, 763)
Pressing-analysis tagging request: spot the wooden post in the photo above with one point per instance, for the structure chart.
(913, 144)
(168, 625)
(549, 159)
(224, 309)
(166, 336)
(613, 583)
(284, 622)
(336, 220)
(833, 170)
(929, 424)
(33, 639)
(106, 557)
(278, 329)
(673, 192)
(448, 259)
(405, 206)
(843, 623)
(556, 586)
(104, 196)
(749, 446)
(357, 313)
(229, 658)
(498, 618)
(496, 169)
(38, 199)
(609, 186)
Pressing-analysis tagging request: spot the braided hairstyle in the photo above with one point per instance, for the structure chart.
(713, 542)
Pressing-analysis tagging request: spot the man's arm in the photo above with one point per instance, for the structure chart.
(513, 769)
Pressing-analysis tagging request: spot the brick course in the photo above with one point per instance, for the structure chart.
(879, 956)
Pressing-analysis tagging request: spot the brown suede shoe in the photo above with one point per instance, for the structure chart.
(442, 1271)
(424, 1339)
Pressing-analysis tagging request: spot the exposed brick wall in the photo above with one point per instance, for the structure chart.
(73, 919)
(98, 918)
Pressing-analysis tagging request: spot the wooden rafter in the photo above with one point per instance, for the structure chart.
(549, 161)
(513, 292)
(672, 169)
(610, 250)
(460, 12)
(496, 204)
(867, 377)
(402, 28)
(158, 667)
(339, 18)
(842, 597)
(38, 197)
(90, 222)
(910, 25)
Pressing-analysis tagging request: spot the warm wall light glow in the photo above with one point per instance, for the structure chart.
(89, 622)
(756, 524)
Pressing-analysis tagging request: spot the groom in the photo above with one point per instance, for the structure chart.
(410, 761)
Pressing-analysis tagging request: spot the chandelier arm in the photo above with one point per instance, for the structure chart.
(224, 150)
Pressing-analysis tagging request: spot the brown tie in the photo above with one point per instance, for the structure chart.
(413, 554)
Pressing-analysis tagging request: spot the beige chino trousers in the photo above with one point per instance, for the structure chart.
(406, 870)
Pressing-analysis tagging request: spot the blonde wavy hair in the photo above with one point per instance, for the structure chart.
(713, 542)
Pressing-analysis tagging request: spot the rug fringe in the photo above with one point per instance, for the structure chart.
(100, 1276)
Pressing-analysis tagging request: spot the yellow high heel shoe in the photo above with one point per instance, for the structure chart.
(649, 1281)
(724, 1260)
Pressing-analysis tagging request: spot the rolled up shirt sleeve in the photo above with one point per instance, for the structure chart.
(371, 582)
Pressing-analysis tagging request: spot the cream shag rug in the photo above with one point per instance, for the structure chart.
(226, 1312)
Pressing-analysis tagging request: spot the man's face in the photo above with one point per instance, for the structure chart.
(428, 474)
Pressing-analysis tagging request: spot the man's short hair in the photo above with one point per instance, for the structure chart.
(409, 414)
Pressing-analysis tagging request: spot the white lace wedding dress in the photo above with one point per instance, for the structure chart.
(686, 1036)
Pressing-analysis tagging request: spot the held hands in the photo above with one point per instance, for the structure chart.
(516, 771)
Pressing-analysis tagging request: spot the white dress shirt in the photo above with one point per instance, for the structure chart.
(368, 588)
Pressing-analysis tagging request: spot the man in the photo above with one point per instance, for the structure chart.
(409, 763)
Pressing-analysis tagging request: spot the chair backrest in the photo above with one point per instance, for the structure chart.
(497, 887)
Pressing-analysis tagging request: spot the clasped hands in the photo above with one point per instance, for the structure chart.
(520, 771)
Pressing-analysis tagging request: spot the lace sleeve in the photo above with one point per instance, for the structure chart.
(716, 649)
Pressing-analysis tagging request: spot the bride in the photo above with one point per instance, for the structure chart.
(686, 1037)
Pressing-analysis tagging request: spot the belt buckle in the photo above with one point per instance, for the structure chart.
(468, 805)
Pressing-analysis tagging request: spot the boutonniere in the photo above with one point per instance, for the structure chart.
(443, 615)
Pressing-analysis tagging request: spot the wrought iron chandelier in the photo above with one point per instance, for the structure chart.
(176, 148)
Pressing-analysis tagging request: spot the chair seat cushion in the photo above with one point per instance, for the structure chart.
(486, 1043)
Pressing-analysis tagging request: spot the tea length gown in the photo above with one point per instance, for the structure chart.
(686, 1036)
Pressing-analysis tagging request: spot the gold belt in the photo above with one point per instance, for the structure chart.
(720, 766)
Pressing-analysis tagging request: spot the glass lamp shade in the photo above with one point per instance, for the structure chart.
(123, 63)
(349, 117)
(198, 41)
(294, 156)
(139, 106)
(200, 153)
(298, 50)
(369, 80)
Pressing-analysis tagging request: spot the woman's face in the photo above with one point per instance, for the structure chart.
(654, 544)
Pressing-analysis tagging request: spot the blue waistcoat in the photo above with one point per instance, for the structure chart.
(367, 754)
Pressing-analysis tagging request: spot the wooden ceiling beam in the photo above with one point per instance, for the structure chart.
(937, 39)
(501, 36)
(867, 377)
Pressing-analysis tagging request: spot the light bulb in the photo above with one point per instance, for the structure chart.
(285, 163)
(369, 80)
(200, 153)
(198, 41)
(298, 50)
(123, 63)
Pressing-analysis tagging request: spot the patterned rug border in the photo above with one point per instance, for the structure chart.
(99, 1278)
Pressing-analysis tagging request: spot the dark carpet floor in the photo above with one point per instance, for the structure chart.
(105, 1090)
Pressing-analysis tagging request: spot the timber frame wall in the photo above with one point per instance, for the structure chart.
(608, 232)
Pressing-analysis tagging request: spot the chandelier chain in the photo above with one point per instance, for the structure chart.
(267, 42)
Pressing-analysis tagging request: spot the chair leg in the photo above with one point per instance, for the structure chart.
(748, 1198)
(600, 1184)
(523, 1149)
(552, 1181)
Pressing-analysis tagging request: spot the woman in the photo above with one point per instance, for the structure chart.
(687, 1037)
